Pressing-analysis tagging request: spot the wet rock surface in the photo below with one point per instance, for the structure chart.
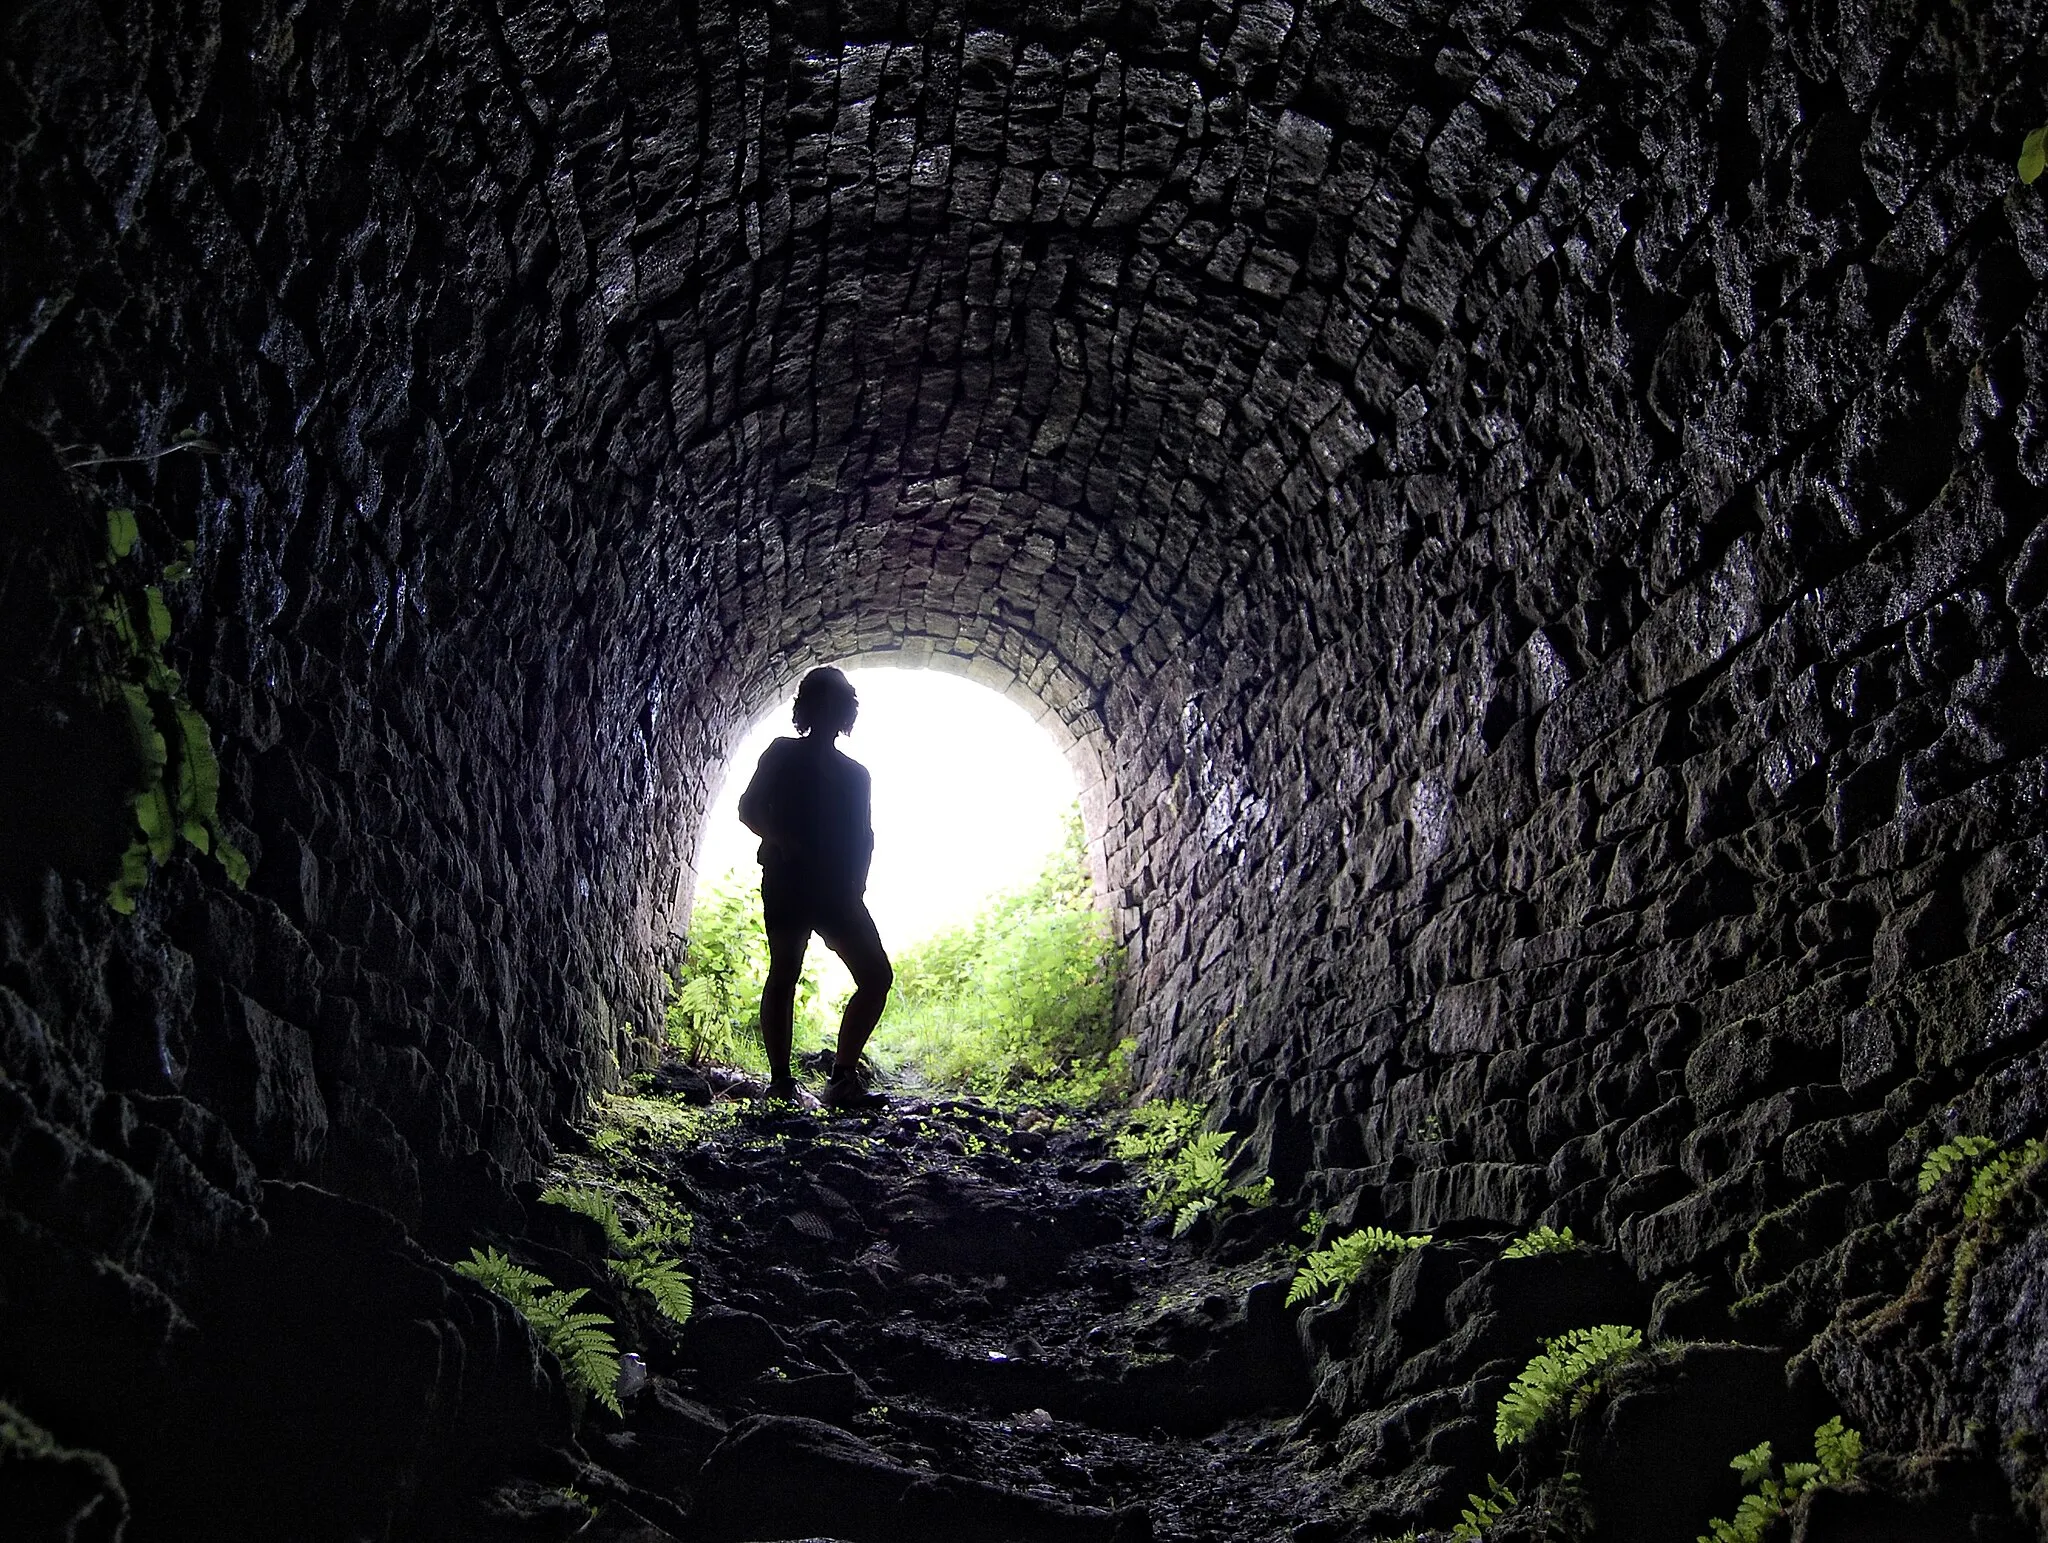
(1527, 515)
(942, 1320)
(926, 1323)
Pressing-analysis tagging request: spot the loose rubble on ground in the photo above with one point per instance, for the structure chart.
(940, 1320)
(951, 1321)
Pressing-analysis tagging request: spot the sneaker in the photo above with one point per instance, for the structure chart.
(785, 1090)
(843, 1091)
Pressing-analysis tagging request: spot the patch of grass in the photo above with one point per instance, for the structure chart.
(1020, 1001)
(624, 1122)
(714, 1011)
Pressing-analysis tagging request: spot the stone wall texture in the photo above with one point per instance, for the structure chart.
(1528, 515)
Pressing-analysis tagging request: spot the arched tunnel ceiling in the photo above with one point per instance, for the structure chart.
(992, 332)
(1450, 459)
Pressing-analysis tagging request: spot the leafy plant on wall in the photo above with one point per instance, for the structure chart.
(178, 804)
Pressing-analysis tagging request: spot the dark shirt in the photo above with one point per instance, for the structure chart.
(809, 804)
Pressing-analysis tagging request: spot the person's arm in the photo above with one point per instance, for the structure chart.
(761, 806)
(864, 845)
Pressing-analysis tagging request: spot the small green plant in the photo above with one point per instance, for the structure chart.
(1186, 1164)
(1311, 1229)
(1992, 1189)
(714, 1008)
(2034, 154)
(1337, 1267)
(1483, 1511)
(581, 1341)
(1961, 1153)
(1019, 1002)
(1565, 1377)
(1838, 1452)
(1994, 1184)
(1155, 1131)
(178, 804)
(1544, 1240)
(637, 1258)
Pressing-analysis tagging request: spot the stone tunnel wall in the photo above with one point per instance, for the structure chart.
(1537, 504)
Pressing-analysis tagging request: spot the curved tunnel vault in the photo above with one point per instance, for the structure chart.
(1533, 510)
(1363, 424)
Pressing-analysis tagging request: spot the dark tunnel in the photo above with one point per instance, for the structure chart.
(1525, 514)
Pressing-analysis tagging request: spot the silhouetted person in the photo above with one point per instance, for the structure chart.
(808, 803)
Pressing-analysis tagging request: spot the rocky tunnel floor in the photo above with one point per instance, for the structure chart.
(938, 1320)
(949, 1321)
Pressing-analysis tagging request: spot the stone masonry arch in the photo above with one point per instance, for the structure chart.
(1535, 505)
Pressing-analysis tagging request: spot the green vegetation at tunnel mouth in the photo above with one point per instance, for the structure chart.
(1015, 1002)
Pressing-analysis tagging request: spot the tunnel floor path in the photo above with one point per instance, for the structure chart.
(941, 1320)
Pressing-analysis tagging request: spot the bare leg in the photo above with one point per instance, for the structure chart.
(859, 945)
(778, 999)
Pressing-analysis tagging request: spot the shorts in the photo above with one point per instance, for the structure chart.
(795, 901)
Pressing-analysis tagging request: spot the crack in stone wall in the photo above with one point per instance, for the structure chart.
(1532, 510)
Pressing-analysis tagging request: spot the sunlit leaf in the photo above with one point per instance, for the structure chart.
(2034, 154)
(1754, 1465)
(232, 862)
(153, 814)
(159, 615)
(133, 876)
(201, 766)
(122, 530)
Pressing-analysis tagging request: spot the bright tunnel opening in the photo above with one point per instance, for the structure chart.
(979, 888)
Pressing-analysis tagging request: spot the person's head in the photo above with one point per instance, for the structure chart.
(825, 702)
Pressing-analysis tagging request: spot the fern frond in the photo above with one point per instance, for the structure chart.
(581, 1341)
(495, 1272)
(590, 1357)
(1186, 1217)
(1999, 1178)
(1544, 1240)
(1963, 1152)
(1569, 1372)
(1839, 1449)
(1345, 1260)
(596, 1205)
(1255, 1195)
(663, 1280)
(1483, 1511)
(1753, 1466)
